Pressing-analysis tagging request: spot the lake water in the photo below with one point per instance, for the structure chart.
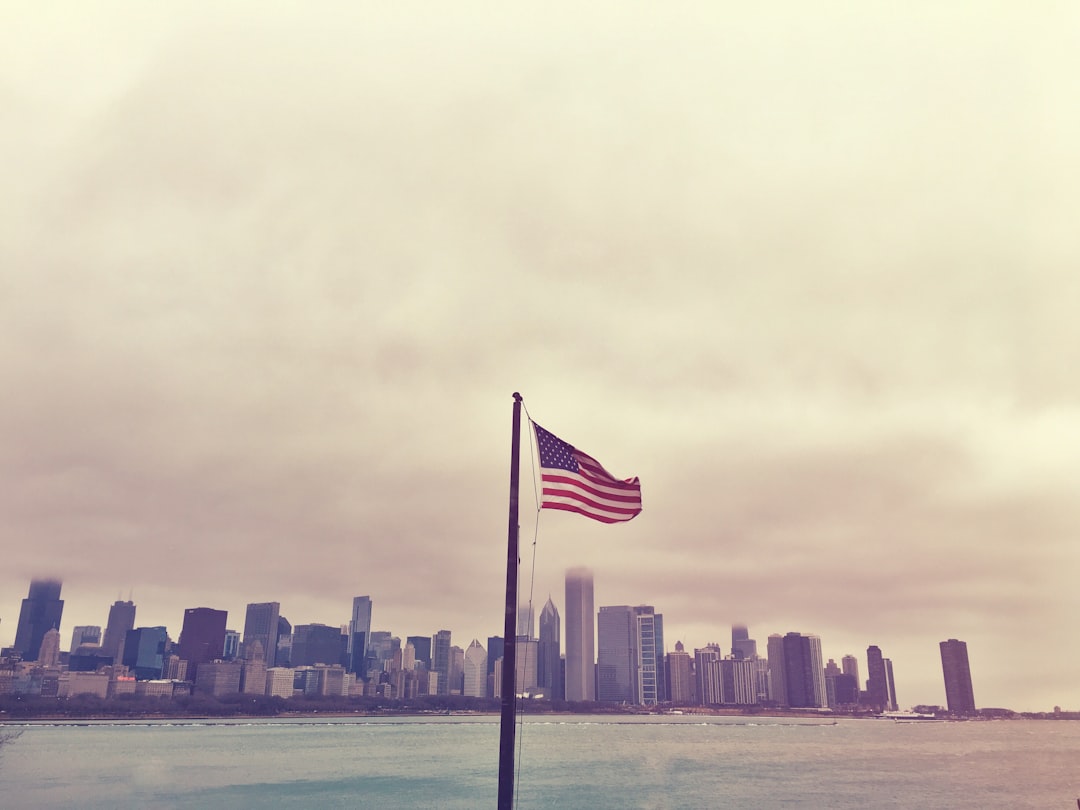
(566, 762)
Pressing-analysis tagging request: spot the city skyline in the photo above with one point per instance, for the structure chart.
(272, 274)
(631, 658)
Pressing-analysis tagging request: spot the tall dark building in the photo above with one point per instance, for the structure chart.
(316, 644)
(261, 624)
(283, 654)
(40, 613)
(422, 649)
(957, 671)
(440, 660)
(877, 680)
(804, 673)
(202, 638)
(616, 655)
(121, 620)
(496, 648)
(359, 635)
(144, 652)
(548, 669)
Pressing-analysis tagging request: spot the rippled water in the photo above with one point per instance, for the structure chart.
(566, 762)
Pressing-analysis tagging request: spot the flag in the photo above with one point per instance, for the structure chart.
(575, 482)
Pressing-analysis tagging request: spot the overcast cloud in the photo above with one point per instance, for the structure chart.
(269, 277)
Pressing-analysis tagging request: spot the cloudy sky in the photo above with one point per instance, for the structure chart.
(269, 277)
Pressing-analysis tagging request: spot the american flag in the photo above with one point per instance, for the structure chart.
(575, 482)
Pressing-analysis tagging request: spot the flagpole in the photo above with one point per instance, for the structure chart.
(509, 665)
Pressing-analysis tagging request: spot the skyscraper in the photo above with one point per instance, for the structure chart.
(282, 656)
(85, 635)
(359, 635)
(549, 670)
(495, 647)
(648, 642)
(957, 671)
(121, 620)
(777, 670)
(893, 706)
(742, 646)
(680, 684)
(422, 649)
(440, 660)
(144, 652)
(475, 670)
(850, 666)
(616, 655)
(261, 625)
(877, 682)
(580, 636)
(525, 620)
(710, 687)
(316, 644)
(41, 611)
(49, 653)
(202, 637)
(804, 673)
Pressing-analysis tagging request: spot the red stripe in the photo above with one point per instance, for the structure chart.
(571, 480)
(633, 508)
(566, 507)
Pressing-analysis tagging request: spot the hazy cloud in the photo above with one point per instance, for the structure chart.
(268, 278)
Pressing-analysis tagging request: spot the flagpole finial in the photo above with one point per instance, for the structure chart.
(517, 396)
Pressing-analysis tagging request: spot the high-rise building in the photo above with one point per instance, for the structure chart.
(49, 654)
(648, 642)
(253, 674)
(495, 647)
(616, 654)
(526, 656)
(548, 665)
(316, 644)
(832, 673)
(422, 649)
(679, 680)
(232, 646)
(475, 670)
(525, 620)
(742, 646)
(849, 664)
(580, 636)
(359, 635)
(804, 673)
(440, 660)
(202, 637)
(282, 656)
(959, 694)
(121, 620)
(877, 681)
(261, 625)
(710, 684)
(144, 652)
(738, 684)
(41, 612)
(777, 670)
(893, 706)
(85, 635)
(457, 670)
(219, 678)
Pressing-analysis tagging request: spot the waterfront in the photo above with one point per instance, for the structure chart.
(568, 761)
